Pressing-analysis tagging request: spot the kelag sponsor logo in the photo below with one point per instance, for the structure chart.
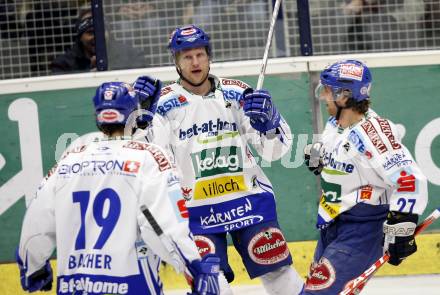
(210, 128)
(219, 186)
(232, 219)
(217, 161)
(331, 197)
(100, 167)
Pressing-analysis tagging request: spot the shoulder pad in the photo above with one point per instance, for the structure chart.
(156, 152)
(232, 82)
(372, 134)
(169, 100)
(232, 89)
(357, 139)
(387, 130)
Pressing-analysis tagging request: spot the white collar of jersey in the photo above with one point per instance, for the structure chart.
(109, 138)
(215, 85)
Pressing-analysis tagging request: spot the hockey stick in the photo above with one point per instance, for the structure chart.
(175, 258)
(268, 42)
(366, 275)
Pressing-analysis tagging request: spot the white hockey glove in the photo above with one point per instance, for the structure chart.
(313, 154)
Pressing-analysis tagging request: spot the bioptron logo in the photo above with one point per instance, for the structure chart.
(216, 161)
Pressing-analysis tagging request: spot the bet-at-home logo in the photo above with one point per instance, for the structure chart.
(216, 161)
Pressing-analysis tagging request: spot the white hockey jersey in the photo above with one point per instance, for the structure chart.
(368, 171)
(210, 138)
(90, 209)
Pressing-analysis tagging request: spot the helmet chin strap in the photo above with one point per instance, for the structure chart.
(188, 81)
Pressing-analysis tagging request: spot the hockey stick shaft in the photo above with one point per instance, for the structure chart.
(366, 275)
(167, 243)
(268, 42)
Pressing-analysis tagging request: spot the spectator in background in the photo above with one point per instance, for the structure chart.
(82, 56)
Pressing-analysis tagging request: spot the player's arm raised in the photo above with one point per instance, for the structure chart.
(263, 119)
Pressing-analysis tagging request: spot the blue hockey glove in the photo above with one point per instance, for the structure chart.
(148, 91)
(258, 106)
(205, 275)
(399, 241)
(41, 280)
(313, 157)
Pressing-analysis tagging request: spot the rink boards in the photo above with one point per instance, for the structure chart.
(422, 262)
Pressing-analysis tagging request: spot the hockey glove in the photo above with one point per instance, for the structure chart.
(313, 157)
(399, 229)
(41, 280)
(148, 91)
(205, 275)
(258, 106)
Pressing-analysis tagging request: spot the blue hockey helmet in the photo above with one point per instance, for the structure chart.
(350, 76)
(114, 102)
(188, 37)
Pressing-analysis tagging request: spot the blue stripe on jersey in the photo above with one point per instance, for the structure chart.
(232, 215)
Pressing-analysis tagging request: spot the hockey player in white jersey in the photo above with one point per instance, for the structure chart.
(210, 124)
(372, 189)
(96, 207)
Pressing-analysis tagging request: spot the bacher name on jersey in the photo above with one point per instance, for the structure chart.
(89, 208)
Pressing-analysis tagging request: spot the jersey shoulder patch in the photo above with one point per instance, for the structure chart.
(169, 100)
(233, 82)
(232, 89)
(357, 139)
(386, 128)
(157, 154)
(373, 135)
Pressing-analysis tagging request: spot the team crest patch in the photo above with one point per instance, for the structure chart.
(322, 275)
(205, 245)
(268, 247)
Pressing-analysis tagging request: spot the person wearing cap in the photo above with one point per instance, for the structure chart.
(82, 56)
(210, 126)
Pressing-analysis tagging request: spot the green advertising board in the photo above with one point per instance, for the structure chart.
(37, 126)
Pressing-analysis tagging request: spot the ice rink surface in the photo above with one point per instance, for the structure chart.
(402, 285)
